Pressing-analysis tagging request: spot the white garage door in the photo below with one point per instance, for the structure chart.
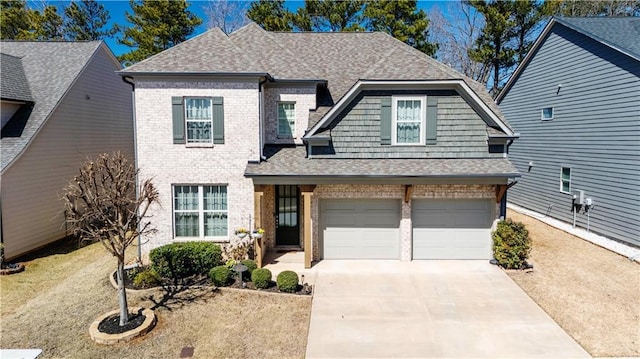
(452, 229)
(360, 229)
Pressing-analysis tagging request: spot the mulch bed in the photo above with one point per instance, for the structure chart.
(201, 280)
(11, 268)
(111, 325)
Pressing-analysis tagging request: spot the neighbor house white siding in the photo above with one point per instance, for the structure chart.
(94, 117)
(219, 164)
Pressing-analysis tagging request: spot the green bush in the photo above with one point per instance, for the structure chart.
(511, 244)
(147, 278)
(180, 260)
(287, 281)
(261, 278)
(251, 266)
(220, 276)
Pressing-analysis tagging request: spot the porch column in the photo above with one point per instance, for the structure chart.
(307, 193)
(258, 203)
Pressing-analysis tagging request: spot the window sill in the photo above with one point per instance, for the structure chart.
(202, 239)
(409, 144)
(199, 145)
(287, 138)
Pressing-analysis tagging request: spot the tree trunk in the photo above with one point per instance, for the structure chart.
(122, 294)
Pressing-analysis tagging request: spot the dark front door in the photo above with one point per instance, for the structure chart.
(287, 224)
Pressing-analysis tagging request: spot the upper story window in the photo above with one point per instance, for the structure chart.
(565, 180)
(547, 114)
(199, 119)
(200, 211)
(408, 115)
(286, 119)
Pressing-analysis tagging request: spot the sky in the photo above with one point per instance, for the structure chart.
(117, 10)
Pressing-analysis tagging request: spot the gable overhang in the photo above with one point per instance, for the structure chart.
(536, 45)
(453, 84)
(383, 180)
(200, 74)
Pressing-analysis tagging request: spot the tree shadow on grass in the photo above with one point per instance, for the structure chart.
(178, 295)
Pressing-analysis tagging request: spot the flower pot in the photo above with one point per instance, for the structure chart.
(257, 235)
(241, 235)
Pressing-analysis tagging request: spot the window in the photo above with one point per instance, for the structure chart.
(547, 114)
(199, 120)
(286, 119)
(565, 180)
(200, 211)
(408, 120)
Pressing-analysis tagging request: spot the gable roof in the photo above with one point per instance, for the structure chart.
(339, 58)
(14, 85)
(619, 33)
(50, 69)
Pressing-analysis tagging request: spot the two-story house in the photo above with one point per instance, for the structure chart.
(61, 102)
(576, 100)
(344, 145)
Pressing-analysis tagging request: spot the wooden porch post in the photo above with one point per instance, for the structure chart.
(258, 195)
(307, 193)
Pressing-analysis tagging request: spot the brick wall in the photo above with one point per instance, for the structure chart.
(169, 163)
(305, 100)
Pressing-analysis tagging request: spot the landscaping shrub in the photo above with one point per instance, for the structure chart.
(220, 276)
(147, 278)
(287, 281)
(261, 278)
(180, 260)
(251, 266)
(511, 244)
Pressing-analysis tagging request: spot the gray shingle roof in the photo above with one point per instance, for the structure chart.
(291, 161)
(50, 69)
(14, 85)
(621, 33)
(341, 58)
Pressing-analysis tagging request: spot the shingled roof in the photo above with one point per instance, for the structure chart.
(620, 33)
(14, 85)
(50, 69)
(339, 58)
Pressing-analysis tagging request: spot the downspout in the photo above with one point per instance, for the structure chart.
(261, 118)
(129, 80)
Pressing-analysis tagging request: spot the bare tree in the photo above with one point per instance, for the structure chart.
(455, 36)
(101, 204)
(228, 15)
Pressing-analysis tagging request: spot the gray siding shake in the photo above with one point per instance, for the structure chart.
(595, 132)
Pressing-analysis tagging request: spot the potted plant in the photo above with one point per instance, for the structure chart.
(257, 233)
(241, 232)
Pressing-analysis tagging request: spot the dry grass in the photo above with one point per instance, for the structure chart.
(228, 324)
(590, 292)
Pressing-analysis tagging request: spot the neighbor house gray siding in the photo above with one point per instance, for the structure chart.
(95, 116)
(595, 131)
(356, 132)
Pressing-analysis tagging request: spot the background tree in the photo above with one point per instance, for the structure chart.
(13, 19)
(227, 15)
(527, 19)
(19, 22)
(584, 8)
(100, 204)
(157, 26)
(331, 15)
(86, 19)
(270, 15)
(456, 38)
(402, 20)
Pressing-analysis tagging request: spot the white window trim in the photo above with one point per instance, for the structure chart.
(186, 122)
(293, 131)
(423, 119)
(562, 180)
(553, 112)
(200, 212)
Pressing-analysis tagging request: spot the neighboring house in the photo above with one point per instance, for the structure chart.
(345, 145)
(61, 102)
(575, 99)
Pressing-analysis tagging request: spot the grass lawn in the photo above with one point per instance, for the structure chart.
(51, 305)
(592, 293)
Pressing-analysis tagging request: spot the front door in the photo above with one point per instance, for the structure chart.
(287, 224)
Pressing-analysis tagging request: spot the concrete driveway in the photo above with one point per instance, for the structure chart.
(428, 309)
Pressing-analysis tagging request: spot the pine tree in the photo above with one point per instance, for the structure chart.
(157, 26)
(13, 19)
(270, 15)
(85, 20)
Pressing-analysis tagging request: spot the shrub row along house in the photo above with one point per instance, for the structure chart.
(576, 101)
(344, 145)
(60, 103)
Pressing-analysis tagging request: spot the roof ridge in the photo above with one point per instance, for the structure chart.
(250, 24)
(208, 32)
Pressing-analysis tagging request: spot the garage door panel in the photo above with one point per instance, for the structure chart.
(360, 229)
(452, 229)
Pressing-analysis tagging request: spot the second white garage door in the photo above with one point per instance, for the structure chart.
(452, 228)
(360, 228)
